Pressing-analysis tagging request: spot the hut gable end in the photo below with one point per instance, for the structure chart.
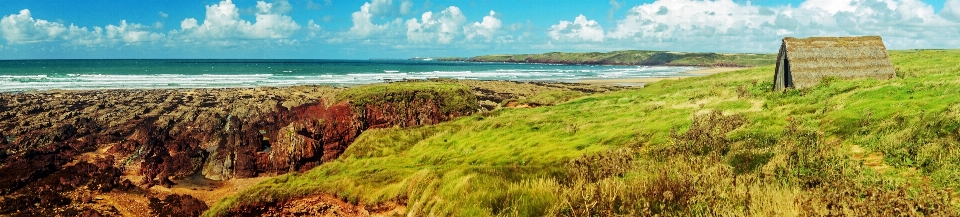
(805, 62)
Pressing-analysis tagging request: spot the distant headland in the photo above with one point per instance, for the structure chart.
(626, 57)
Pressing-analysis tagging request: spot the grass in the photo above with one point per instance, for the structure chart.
(636, 57)
(454, 97)
(715, 145)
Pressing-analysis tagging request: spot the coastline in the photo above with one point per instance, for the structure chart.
(646, 80)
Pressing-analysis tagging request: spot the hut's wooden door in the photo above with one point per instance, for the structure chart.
(779, 78)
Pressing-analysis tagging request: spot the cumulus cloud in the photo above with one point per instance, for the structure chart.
(443, 28)
(363, 23)
(951, 10)
(485, 29)
(726, 25)
(579, 30)
(111, 34)
(22, 28)
(130, 33)
(222, 21)
(163, 15)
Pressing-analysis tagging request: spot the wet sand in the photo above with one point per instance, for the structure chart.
(642, 81)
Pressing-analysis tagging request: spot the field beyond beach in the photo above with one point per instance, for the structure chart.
(646, 80)
(714, 142)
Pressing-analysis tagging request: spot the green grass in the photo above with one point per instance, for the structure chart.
(722, 144)
(636, 57)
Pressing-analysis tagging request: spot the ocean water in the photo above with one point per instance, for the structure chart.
(25, 75)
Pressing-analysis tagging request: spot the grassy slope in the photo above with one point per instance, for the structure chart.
(455, 97)
(792, 150)
(636, 57)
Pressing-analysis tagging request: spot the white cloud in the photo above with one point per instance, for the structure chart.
(515, 27)
(405, 7)
(381, 7)
(666, 19)
(442, 29)
(363, 24)
(365, 31)
(485, 29)
(223, 21)
(313, 29)
(614, 6)
(131, 33)
(729, 26)
(951, 10)
(279, 6)
(829, 6)
(580, 29)
(188, 23)
(163, 15)
(111, 34)
(22, 28)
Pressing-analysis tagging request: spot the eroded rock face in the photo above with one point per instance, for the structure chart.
(317, 134)
(43, 196)
(66, 146)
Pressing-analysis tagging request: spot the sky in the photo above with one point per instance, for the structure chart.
(339, 29)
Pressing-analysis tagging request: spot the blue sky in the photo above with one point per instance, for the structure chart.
(332, 29)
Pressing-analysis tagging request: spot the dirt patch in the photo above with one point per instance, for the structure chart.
(515, 104)
(873, 160)
(209, 191)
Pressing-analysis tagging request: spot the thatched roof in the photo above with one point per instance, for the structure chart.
(812, 59)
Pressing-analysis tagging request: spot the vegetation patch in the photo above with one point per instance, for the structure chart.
(451, 97)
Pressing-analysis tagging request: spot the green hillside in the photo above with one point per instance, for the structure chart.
(636, 57)
(722, 144)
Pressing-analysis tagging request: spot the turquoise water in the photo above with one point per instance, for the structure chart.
(24, 75)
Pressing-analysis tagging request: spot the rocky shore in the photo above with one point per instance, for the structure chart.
(126, 152)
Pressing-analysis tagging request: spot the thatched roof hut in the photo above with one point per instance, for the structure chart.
(803, 62)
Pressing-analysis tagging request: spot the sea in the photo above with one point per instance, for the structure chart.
(29, 75)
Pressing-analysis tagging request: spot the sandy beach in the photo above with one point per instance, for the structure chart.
(641, 81)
